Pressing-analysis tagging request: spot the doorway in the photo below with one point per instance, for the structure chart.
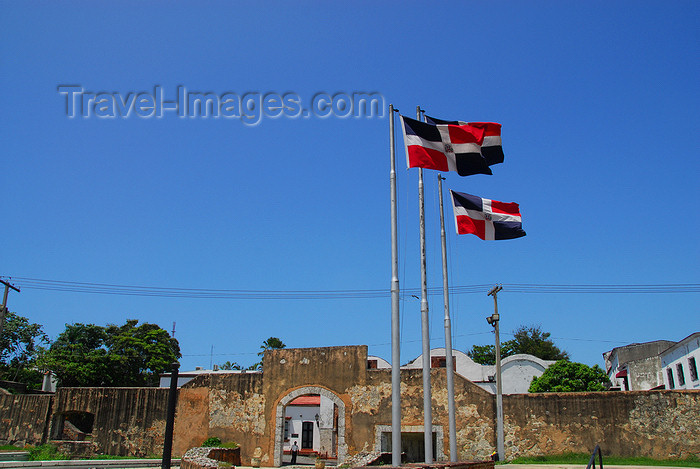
(307, 435)
(325, 424)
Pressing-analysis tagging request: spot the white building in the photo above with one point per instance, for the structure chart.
(377, 363)
(310, 421)
(517, 371)
(679, 363)
(636, 367)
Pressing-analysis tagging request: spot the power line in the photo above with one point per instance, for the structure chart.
(244, 294)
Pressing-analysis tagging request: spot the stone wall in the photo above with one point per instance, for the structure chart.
(230, 407)
(475, 412)
(656, 424)
(23, 418)
(127, 421)
(247, 408)
(330, 371)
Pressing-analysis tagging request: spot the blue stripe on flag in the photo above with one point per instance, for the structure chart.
(468, 201)
(421, 129)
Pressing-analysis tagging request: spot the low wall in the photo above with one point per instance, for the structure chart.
(24, 418)
(127, 421)
(655, 424)
(242, 408)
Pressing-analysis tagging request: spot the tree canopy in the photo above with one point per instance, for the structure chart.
(20, 343)
(127, 355)
(566, 376)
(229, 365)
(526, 339)
(272, 343)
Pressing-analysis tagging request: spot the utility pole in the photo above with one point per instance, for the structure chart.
(3, 309)
(493, 320)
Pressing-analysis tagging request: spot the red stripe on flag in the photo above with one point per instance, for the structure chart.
(421, 157)
(510, 208)
(465, 134)
(466, 225)
(491, 129)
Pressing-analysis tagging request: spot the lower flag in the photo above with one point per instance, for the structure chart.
(485, 218)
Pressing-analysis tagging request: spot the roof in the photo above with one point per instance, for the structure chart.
(681, 342)
(633, 352)
(310, 400)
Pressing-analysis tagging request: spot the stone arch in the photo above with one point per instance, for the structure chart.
(279, 419)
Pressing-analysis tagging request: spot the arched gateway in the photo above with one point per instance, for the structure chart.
(280, 418)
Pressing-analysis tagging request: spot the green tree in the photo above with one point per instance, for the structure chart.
(78, 357)
(20, 343)
(140, 352)
(230, 366)
(526, 339)
(272, 343)
(566, 376)
(531, 339)
(486, 354)
(128, 355)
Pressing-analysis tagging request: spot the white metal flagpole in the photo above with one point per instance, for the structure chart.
(395, 316)
(425, 323)
(448, 335)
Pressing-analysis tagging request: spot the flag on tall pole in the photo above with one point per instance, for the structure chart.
(466, 148)
(491, 148)
(485, 218)
(395, 313)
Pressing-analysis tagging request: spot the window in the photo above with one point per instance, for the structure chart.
(693, 369)
(669, 372)
(441, 362)
(681, 376)
(286, 429)
(438, 362)
(372, 364)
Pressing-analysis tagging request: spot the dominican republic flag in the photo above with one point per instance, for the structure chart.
(491, 148)
(487, 219)
(445, 147)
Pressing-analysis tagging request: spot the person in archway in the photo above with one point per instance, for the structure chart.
(295, 450)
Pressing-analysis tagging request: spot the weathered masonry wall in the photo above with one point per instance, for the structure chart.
(656, 424)
(128, 421)
(247, 408)
(475, 412)
(331, 370)
(23, 418)
(230, 407)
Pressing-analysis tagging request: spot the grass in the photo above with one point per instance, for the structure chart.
(49, 452)
(582, 459)
(10, 448)
(45, 453)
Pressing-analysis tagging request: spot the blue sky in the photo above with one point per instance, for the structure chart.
(598, 102)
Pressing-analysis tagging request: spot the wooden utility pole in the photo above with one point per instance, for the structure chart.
(3, 309)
